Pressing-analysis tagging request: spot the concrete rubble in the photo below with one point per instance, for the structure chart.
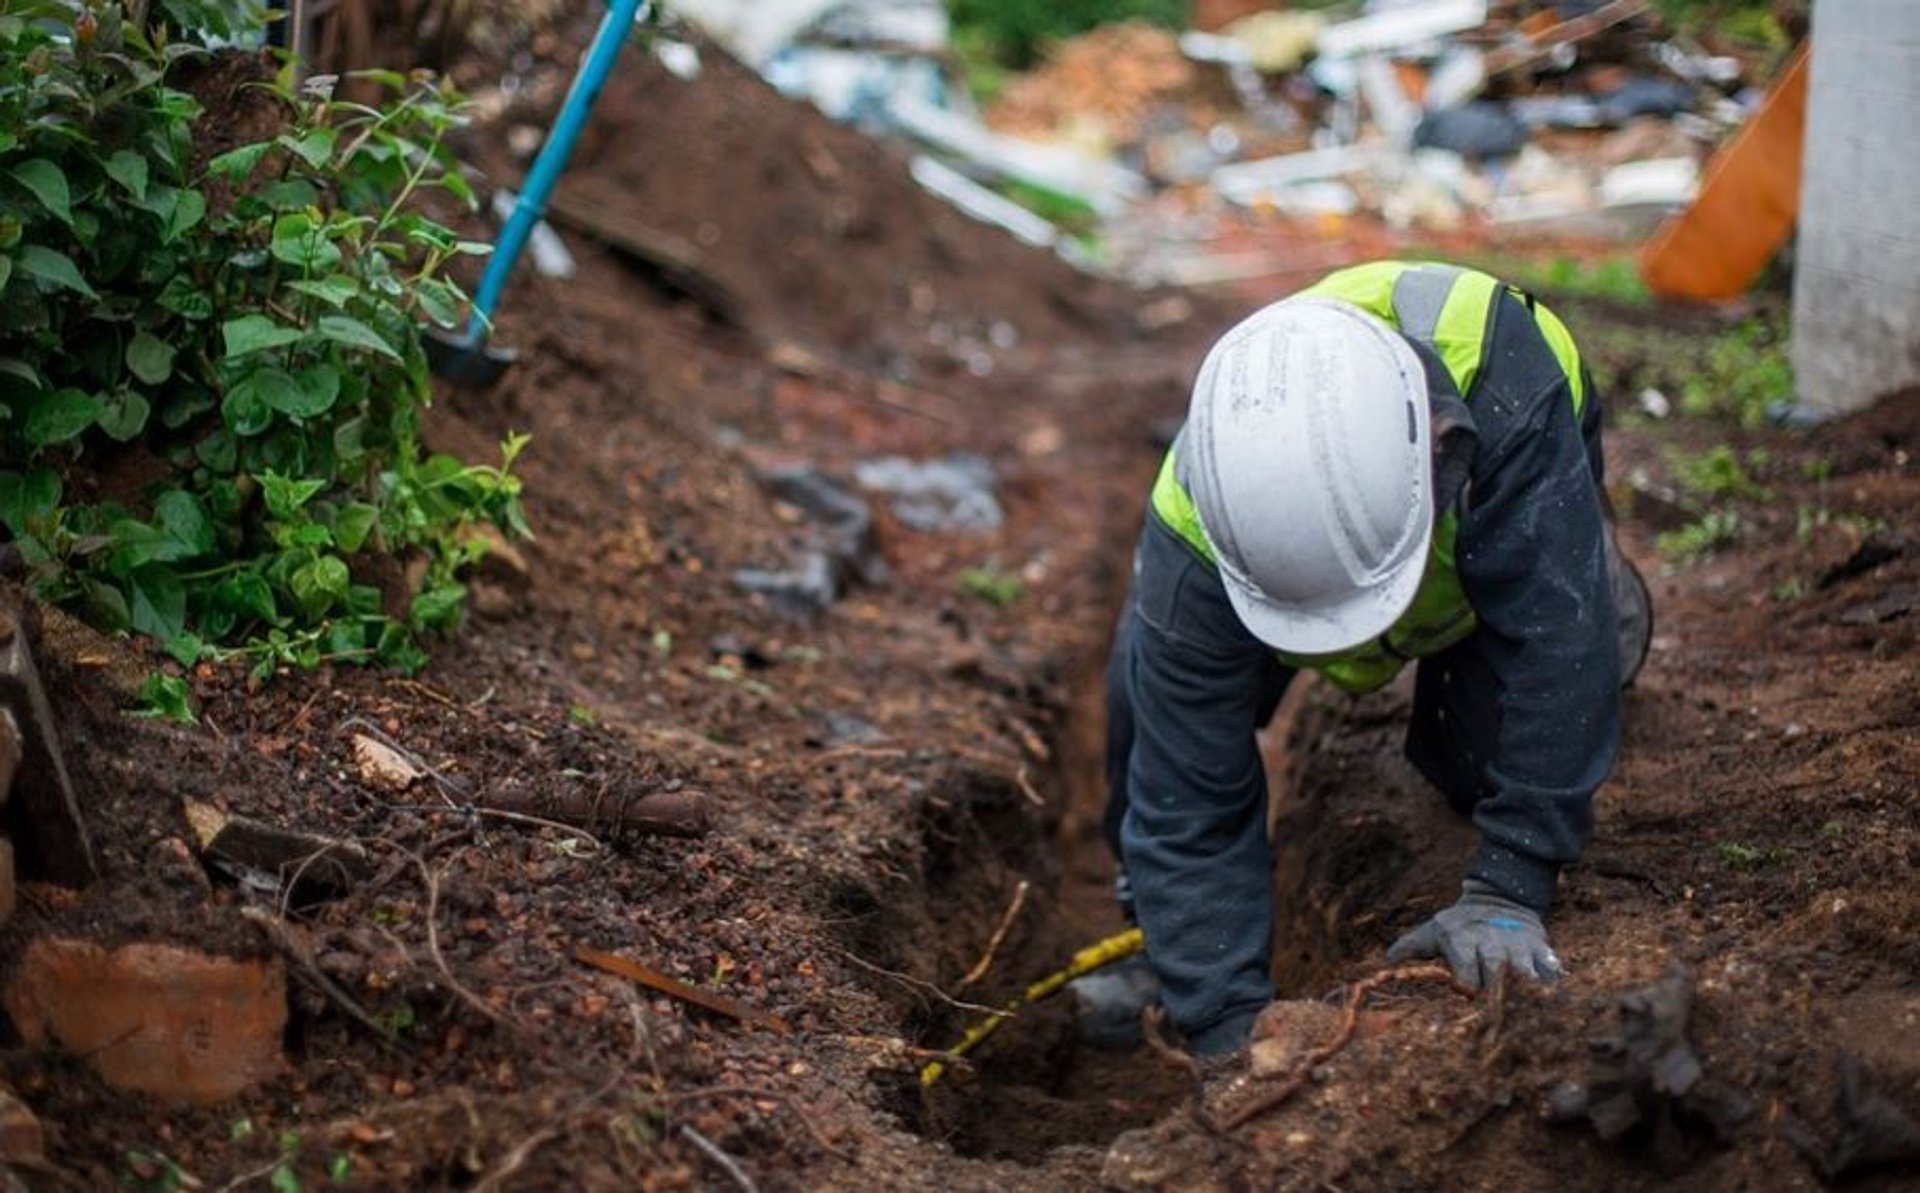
(1418, 115)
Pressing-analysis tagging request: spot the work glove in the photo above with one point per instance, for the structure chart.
(1478, 935)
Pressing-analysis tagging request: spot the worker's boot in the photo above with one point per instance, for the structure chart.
(1109, 1002)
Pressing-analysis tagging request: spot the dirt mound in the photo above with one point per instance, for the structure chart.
(817, 229)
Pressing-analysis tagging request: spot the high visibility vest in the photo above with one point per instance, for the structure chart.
(1449, 310)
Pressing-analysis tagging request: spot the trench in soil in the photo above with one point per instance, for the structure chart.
(1034, 1087)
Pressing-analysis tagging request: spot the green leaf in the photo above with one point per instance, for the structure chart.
(318, 584)
(179, 531)
(48, 185)
(246, 596)
(458, 186)
(187, 648)
(104, 604)
(27, 495)
(335, 290)
(289, 194)
(6, 272)
(441, 302)
(236, 164)
(165, 697)
(286, 497)
(128, 169)
(157, 604)
(398, 650)
(316, 388)
(437, 608)
(242, 598)
(149, 357)
(314, 147)
(344, 329)
(255, 333)
(250, 402)
(187, 214)
(313, 534)
(53, 267)
(218, 451)
(298, 240)
(184, 519)
(125, 415)
(353, 525)
(59, 416)
(20, 368)
(161, 201)
(181, 296)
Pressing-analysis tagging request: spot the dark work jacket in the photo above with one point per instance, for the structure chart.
(1517, 724)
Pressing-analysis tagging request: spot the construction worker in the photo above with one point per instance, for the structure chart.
(1401, 463)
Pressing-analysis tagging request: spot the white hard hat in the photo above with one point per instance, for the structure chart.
(1306, 453)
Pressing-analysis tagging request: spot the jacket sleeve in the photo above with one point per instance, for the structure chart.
(1531, 559)
(1194, 837)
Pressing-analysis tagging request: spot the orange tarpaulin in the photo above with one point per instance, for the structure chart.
(1747, 204)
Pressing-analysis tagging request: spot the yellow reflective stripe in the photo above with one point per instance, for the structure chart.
(1369, 287)
(1174, 506)
(1560, 340)
(1460, 337)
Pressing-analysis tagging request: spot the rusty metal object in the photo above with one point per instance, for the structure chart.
(41, 815)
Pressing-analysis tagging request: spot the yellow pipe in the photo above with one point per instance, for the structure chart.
(1084, 962)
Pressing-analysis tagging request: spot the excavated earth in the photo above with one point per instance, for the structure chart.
(885, 774)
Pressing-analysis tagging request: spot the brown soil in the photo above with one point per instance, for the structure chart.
(887, 772)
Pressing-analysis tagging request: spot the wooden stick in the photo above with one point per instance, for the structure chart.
(433, 948)
(726, 1163)
(653, 979)
(304, 964)
(908, 980)
(999, 937)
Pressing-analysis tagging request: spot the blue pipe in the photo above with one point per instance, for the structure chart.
(552, 161)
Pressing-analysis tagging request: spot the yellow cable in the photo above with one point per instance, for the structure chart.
(1084, 962)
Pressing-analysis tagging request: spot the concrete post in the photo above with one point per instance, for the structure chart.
(1856, 293)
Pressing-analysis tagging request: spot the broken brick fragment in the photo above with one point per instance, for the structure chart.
(163, 1020)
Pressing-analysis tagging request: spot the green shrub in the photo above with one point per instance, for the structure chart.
(212, 372)
(1016, 31)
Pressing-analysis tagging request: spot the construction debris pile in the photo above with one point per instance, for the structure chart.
(1146, 152)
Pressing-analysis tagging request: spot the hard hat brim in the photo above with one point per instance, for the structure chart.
(1335, 627)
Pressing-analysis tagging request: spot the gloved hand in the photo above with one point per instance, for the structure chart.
(1478, 935)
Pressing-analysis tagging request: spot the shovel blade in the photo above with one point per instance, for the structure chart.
(468, 360)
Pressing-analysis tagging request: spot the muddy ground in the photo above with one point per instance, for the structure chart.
(886, 773)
